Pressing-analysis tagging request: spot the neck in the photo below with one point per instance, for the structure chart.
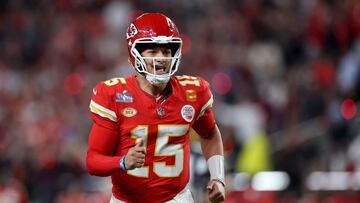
(146, 86)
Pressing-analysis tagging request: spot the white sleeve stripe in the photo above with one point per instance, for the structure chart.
(206, 106)
(102, 111)
(96, 111)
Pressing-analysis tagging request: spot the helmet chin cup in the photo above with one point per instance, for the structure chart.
(157, 80)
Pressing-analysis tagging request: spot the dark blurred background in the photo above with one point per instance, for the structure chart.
(285, 76)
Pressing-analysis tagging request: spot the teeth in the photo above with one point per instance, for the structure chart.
(160, 71)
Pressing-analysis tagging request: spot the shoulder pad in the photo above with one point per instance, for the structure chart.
(102, 101)
(195, 89)
(192, 82)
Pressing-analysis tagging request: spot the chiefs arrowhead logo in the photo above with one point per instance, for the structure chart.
(129, 112)
(132, 31)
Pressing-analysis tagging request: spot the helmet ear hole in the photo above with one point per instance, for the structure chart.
(138, 64)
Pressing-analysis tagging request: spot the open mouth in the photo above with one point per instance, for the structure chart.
(160, 70)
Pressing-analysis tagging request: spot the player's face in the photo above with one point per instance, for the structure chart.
(157, 59)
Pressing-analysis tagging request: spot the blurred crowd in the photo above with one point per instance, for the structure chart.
(285, 76)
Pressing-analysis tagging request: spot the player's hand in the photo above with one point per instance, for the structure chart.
(135, 157)
(216, 191)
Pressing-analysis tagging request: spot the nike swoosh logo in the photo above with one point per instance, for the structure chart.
(94, 91)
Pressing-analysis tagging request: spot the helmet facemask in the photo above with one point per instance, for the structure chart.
(140, 62)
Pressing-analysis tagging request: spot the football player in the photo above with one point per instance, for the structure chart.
(140, 135)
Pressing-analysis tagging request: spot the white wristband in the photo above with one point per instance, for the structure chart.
(216, 168)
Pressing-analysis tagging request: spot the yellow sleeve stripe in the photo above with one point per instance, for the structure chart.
(102, 111)
(206, 106)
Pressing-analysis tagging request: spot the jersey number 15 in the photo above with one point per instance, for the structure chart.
(162, 148)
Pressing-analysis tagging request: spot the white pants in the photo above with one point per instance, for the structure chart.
(184, 196)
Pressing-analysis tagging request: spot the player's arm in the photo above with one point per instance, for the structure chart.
(210, 138)
(212, 148)
(212, 145)
(104, 135)
(102, 143)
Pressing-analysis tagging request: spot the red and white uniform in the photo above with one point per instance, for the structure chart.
(126, 113)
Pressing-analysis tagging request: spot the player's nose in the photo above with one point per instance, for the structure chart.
(159, 56)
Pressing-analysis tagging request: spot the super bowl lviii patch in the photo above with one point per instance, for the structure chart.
(125, 97)
(188, 113)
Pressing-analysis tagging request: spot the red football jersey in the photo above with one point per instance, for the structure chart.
(164, 126)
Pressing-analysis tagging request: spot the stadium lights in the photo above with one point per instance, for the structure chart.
(262, 181)
(270, 181)
(333, 181)
(279, 181)
(240, 181)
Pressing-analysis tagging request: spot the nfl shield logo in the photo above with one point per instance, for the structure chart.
(160, 112)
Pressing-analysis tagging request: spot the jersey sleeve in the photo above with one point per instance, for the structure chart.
(205, 122)
(102, 107)
(205, 125)
(205, 97)
(100, 160)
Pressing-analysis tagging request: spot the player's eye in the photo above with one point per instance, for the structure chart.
(150, 52)
(167, 52)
